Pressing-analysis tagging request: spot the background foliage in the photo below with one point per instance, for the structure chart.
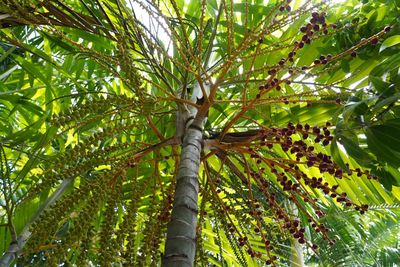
(88, 97)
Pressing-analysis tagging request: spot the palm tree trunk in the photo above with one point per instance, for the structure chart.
(296, 258)
(180, 246)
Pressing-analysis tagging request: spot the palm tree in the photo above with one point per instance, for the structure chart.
(226, 132)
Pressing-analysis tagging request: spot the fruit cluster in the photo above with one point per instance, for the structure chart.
(300, 141)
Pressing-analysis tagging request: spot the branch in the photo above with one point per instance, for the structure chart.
(16, 246)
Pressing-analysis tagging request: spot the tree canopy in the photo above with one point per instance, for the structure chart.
(297, 103)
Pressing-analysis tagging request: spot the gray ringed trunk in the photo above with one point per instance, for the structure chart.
(180, 246)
